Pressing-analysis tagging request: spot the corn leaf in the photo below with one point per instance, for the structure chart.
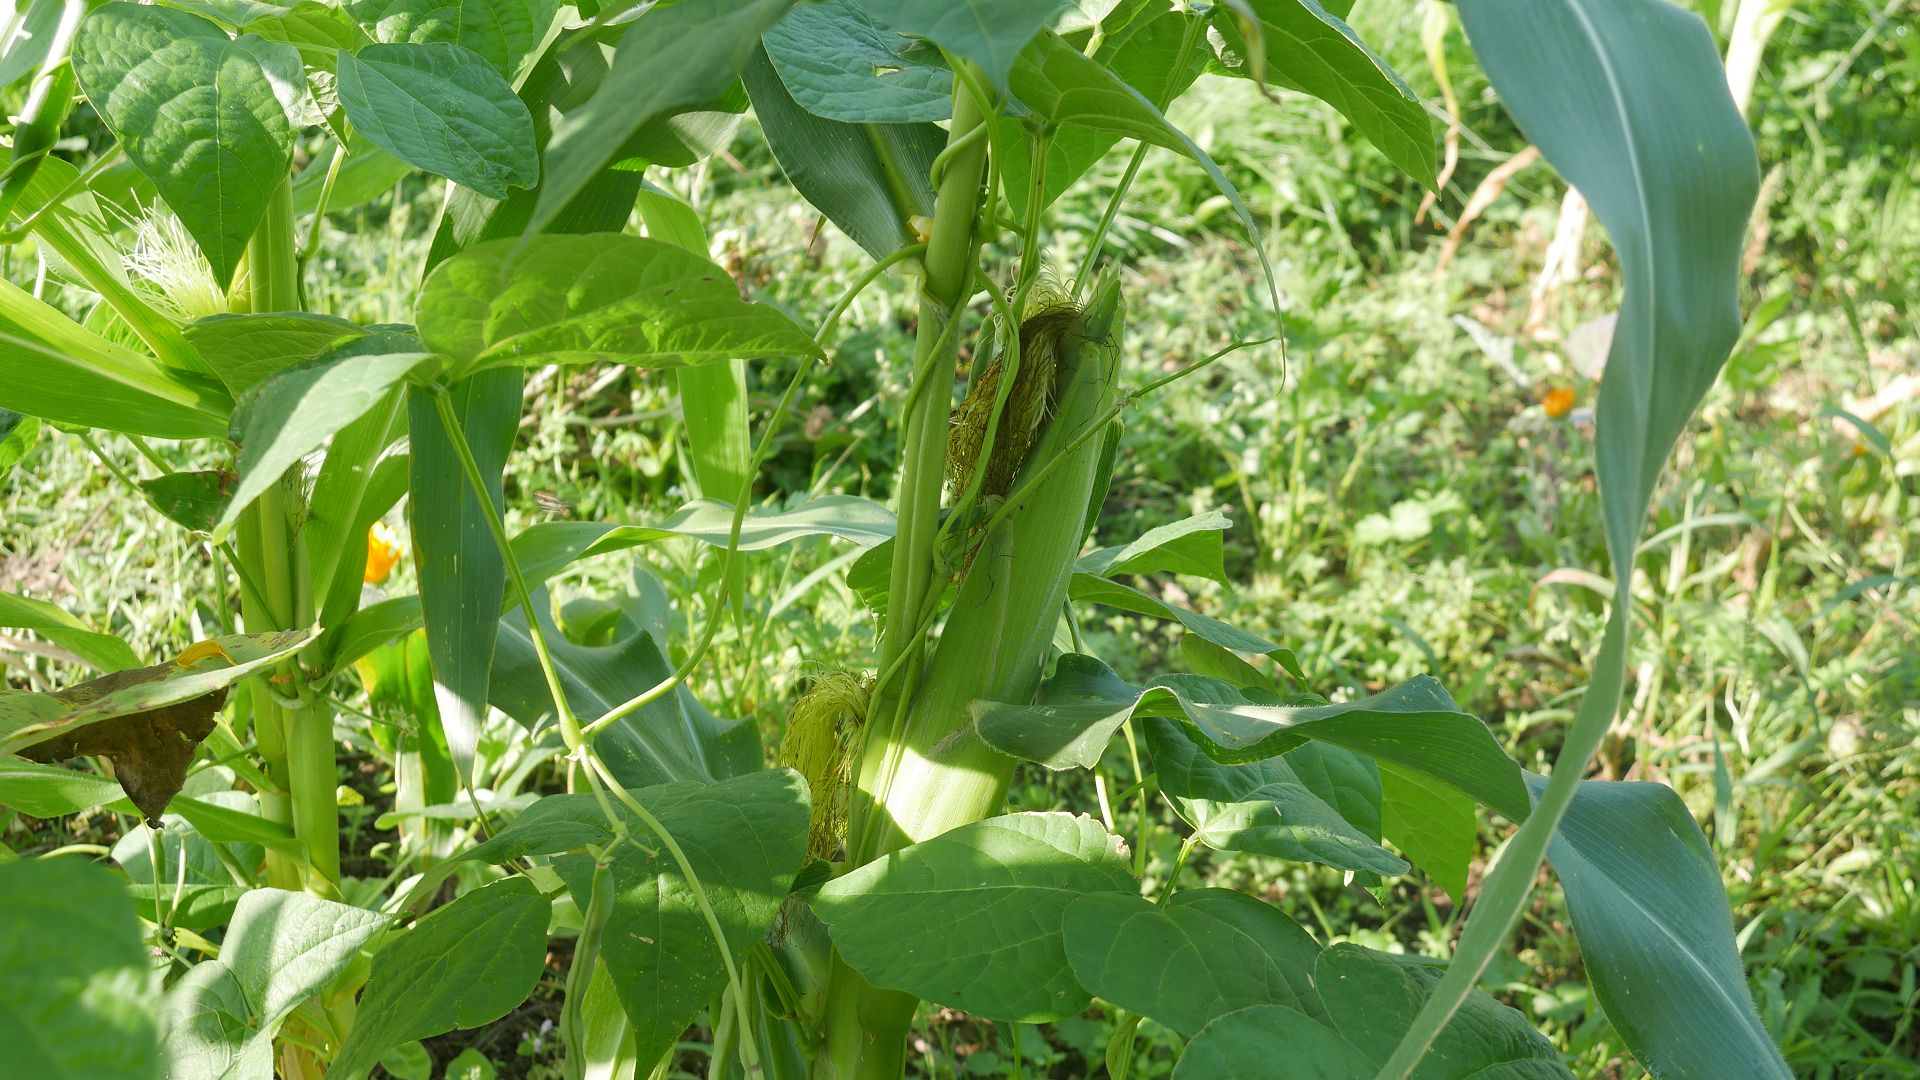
(1307, 48)
(1628, 100)
(104, 652)
(708, 43)
(463, 581)
(52, 367)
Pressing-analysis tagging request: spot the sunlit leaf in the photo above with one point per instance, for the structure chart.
(204, 116)
(972, 918)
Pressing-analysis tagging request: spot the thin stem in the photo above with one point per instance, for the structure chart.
(586, 953)
(653, 825)
(775, 424)
(1187, 41)
(334, 165)
(570, 730)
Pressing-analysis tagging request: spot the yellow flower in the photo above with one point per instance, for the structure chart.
(1558, 403)
(383, 552)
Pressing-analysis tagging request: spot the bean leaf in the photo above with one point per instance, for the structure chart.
(442, 108)
(204, 116)
(972, 918)
(573, 299)
(462, 966)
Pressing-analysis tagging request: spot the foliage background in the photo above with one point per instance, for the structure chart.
(1402, 503)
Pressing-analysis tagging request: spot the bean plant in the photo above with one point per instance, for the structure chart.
(800, 893)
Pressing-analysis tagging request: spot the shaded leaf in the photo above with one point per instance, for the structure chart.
(1265, 807)
(293, 414)
(464, 965)
(247, 350)
(193, 500)
(680, 57)
(1208, 952)
(77, 994)
(502, 32)
(442, 108)
(868, 179)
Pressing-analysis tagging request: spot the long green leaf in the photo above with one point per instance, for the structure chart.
(673, 58)
(104, 652)
(204, 116)
(52, 367)
(463, 581)
(1628, 100)
(1651, 918)
(1309, 49)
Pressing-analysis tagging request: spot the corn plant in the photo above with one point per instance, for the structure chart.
(802, 911)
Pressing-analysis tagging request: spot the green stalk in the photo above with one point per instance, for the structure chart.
(586, 953)
(866, 1028)
(294, 726)
(937, 774)
(948, 263)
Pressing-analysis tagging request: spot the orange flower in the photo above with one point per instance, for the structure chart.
(1558, 403)
(383, 552)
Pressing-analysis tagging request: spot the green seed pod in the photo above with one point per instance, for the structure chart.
(1036, 387)
(823, 733)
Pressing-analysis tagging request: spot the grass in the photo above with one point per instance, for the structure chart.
(1403, 503)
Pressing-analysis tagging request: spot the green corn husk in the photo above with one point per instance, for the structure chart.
(823, 734)
(1036, 389)
(937, 774)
